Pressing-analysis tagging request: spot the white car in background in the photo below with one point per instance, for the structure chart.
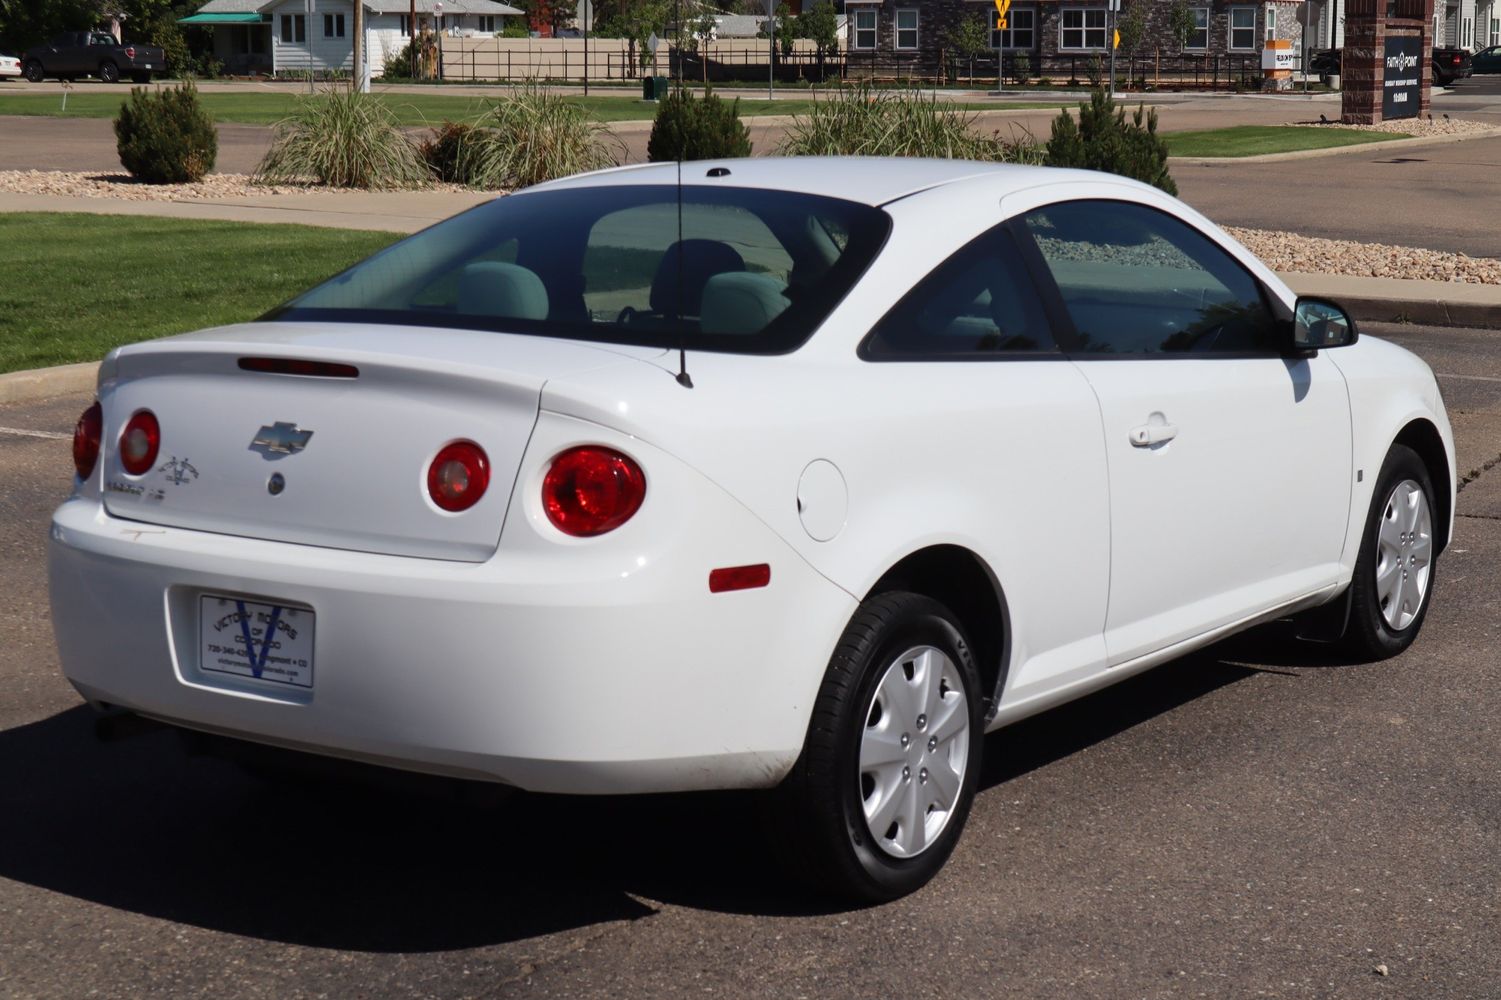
(800, 473)
(10, 66)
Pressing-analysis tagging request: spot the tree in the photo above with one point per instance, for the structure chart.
(820, 25)
(1133, 26)
(1103, 140)
(1181, 23)
(970, 37)
(786, 28)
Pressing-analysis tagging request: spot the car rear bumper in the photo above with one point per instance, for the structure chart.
(602, 682)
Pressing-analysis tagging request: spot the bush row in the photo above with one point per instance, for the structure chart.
(348, 139)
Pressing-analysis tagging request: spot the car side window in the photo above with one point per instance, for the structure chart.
(1138, 281)
(980, 301)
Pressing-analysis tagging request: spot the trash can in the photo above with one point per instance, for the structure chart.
(653, 88)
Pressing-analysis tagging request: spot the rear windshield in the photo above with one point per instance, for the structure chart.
(724, 269)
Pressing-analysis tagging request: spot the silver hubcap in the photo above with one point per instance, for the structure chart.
(914, 751)
(1404, 555)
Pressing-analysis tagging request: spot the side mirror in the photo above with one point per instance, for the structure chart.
(1319, 323)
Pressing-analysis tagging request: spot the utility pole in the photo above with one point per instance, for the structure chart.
(361, 81)
(412, 43)
(771, 51)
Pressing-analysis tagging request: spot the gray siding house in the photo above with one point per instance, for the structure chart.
(300, 36)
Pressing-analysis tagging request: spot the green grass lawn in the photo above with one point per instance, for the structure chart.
(74, 286)
(1256, 140)
(413, 109)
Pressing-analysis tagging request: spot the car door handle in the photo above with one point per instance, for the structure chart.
(1149, 434)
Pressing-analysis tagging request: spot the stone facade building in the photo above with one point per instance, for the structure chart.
(914, 37)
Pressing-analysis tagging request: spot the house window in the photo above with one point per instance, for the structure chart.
(487, 23)
(906, 29)
(1199, 37)
(1082, 28)
(1271, 23)
(1020, 31)
(865, 28)
(1466, 32)
(1242, 28)
(406, 26)
(294, 28)
(333, 25)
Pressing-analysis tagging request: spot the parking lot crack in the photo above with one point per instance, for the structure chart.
(1475, 474)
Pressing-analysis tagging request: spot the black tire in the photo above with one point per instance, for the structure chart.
(821, 803)
(140, 78)
(34, 72)
(1369, 635)
(109, 72)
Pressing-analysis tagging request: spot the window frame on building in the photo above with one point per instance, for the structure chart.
(293, 29)
(1231, 28)
(1083, 30)
(1198, 39)
(1005, 38)
(897, 30)
(333, 25)
(856, 13)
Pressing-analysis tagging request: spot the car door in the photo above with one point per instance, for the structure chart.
(1229, 462)
(998, 437)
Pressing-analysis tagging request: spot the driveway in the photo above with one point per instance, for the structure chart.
(1257, 820)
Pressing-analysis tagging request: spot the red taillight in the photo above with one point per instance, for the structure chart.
(739, 578)
(130, 53)
(86, 434)
(139, 443)
(592, 490)
(458, 477)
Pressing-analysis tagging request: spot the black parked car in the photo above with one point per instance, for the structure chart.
(92, 53)
(1448, 65)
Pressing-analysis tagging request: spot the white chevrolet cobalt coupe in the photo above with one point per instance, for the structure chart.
(801, 473)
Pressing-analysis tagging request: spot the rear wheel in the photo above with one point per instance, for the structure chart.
(1394, 571)
(109, 72)
(878, 799)
(34, 72)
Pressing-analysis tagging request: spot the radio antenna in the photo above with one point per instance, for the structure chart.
(683, 378)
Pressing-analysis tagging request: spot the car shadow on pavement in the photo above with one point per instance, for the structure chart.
(140, 826)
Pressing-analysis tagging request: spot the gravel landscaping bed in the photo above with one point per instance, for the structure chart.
(1307, 255)
(1418, 128)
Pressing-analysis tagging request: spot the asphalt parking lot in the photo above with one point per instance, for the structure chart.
(1258, 820)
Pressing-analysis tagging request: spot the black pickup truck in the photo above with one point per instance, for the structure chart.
(92, 53)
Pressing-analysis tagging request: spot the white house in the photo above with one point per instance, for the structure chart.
(285, 36)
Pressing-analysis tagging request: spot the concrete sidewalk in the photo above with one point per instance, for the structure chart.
(1435, 303)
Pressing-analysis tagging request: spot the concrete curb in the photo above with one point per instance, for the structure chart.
(40, 383)
(1311, 154)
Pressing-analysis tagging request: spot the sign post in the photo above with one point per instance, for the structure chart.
(1001, 9)
(585, 15)
(771, 52)
(1115, 41)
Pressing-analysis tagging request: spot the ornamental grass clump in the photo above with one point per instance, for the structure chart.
(342, 138)
(165, 136)
(859, 121)
(535, 136)
(453, 152)
(690, 128)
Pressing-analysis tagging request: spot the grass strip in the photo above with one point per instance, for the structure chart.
(410, 109)
(74, 286)
(1258, 140)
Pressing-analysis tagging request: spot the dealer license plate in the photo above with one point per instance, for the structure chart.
(267, 642)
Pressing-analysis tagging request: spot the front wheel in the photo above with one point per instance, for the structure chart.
(109, 72)
(1394, 571)
(877, 801)
(34, 72)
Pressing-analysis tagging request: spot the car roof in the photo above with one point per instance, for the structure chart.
(868, 179)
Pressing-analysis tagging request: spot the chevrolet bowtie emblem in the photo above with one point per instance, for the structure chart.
(281, 439)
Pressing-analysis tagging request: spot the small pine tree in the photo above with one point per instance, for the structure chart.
(1103, 140)
(166, 137)
(694, 129)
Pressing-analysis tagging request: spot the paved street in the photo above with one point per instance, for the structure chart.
(1253, 821)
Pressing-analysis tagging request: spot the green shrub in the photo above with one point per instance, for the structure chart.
(1022, 67)
(859, 121)
(698, 129)
(535, 136)
(398, 65)
(165, 136)
(342, 138)
(1103, 140)
(455, 153)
